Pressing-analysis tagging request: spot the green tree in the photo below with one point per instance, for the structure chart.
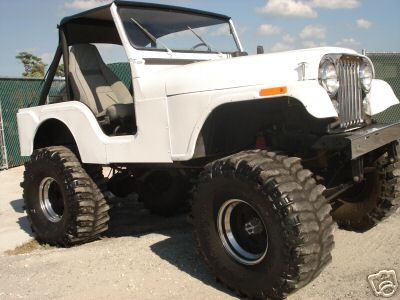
(33, 65)
(60, 71)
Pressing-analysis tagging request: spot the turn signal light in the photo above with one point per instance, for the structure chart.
(273, 91)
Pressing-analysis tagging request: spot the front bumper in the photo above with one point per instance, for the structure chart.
(362, 141)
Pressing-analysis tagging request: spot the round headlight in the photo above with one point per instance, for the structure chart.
(366, 76)
(329, 78)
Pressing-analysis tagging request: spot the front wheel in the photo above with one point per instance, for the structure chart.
(262, 224)
(371, 201)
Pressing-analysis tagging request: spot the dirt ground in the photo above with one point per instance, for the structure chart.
(146, 257)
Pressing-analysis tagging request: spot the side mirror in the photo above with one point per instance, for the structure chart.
(260, 50)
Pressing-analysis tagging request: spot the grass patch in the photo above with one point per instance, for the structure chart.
(28, 248)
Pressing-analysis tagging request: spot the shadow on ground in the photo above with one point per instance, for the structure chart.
(179, 250)
(18, 207)
(129, 218)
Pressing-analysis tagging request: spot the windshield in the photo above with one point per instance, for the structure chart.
(167, 30)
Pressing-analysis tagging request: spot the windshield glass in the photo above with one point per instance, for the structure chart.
(167, 30)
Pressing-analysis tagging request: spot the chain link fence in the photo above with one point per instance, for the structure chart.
(3, 148)
(16, 93)
(387, 68)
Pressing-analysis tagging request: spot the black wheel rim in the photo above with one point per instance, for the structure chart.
(242, 232)
(51, 200)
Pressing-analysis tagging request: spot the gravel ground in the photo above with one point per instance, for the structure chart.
(146, 257)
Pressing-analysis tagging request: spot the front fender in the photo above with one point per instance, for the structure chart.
(314, 98)
(380, 98)
(189, 112)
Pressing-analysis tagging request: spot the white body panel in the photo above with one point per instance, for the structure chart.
(380, 98)
(188, 112)
(173, 102)
(150, 144)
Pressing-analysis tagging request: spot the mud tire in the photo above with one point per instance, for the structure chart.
(378, 200)
(289, 202)
(85, 210)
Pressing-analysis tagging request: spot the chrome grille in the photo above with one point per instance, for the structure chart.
(350, 93)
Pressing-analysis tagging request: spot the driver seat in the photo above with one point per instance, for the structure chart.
(95, 85)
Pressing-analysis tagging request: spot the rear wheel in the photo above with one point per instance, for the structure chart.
(262, 224)
(63, 203)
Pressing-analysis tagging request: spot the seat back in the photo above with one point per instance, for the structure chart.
(93, 83)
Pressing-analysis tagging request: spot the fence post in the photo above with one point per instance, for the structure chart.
(3, 149)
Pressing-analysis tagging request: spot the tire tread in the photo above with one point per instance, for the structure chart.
(297, 199)
(88, 205)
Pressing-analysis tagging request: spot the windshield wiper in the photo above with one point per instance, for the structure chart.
(208, 45)
(200, 38)
(152, 38)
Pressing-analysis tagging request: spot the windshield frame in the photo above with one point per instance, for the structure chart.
(226, 20)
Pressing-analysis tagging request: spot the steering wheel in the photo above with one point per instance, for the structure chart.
(201, 45)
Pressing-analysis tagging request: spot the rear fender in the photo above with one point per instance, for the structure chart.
(89, 138)
(151, 144)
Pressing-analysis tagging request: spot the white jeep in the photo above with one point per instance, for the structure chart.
(273, 147)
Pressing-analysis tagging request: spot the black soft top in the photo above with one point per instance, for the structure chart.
(98, 11)
(97, 26)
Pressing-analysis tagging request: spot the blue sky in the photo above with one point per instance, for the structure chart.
(30, 25)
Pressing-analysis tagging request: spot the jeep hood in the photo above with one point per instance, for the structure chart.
(274, 69)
